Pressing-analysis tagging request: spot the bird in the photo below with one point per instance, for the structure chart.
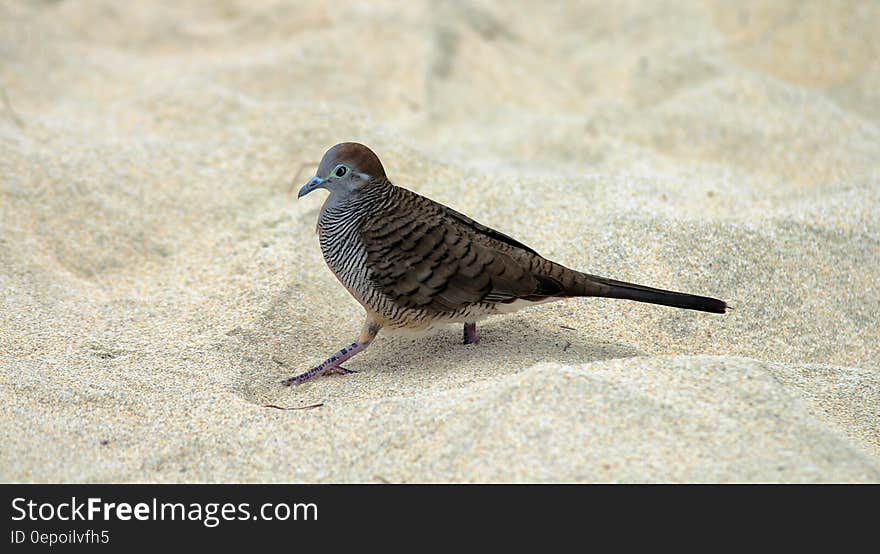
(414, 263)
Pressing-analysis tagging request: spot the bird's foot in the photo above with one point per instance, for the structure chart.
(303, 377)
(316, 372)
(470, 333)
(332, 366)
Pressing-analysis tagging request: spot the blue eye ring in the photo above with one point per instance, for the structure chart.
(339, 171)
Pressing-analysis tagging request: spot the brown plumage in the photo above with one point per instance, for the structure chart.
(414, 263)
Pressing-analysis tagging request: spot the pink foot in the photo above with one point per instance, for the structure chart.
(470, 333)
(332, 365)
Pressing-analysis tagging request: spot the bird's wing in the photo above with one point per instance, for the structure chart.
(424, 255)
(485, 231)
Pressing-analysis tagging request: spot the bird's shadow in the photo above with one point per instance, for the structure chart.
(407, 365)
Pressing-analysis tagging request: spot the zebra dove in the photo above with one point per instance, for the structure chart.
(413, 263)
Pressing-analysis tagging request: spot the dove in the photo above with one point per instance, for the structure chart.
(414, 263)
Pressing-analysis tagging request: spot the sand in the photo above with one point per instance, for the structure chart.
(158, 276)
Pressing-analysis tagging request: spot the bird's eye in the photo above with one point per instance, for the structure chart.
(340, 171)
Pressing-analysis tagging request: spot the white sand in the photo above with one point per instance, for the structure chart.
(158, 277)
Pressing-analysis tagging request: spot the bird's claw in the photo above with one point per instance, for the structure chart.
(338, 371)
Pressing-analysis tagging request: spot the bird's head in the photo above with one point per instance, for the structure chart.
(345, 168)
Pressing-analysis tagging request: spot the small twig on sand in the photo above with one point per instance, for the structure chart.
(567, 344)
(309, 407)
(567, 327)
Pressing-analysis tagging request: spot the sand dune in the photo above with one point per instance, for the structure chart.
(158, 277)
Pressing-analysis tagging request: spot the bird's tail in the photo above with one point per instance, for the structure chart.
(593, 285)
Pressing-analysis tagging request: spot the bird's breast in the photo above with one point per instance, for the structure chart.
(343, 250)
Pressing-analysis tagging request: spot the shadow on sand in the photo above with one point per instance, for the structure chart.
(403, 364)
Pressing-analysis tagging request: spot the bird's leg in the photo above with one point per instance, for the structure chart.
(470, 333)
(333, 364)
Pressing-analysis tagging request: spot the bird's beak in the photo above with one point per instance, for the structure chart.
(314, 183)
